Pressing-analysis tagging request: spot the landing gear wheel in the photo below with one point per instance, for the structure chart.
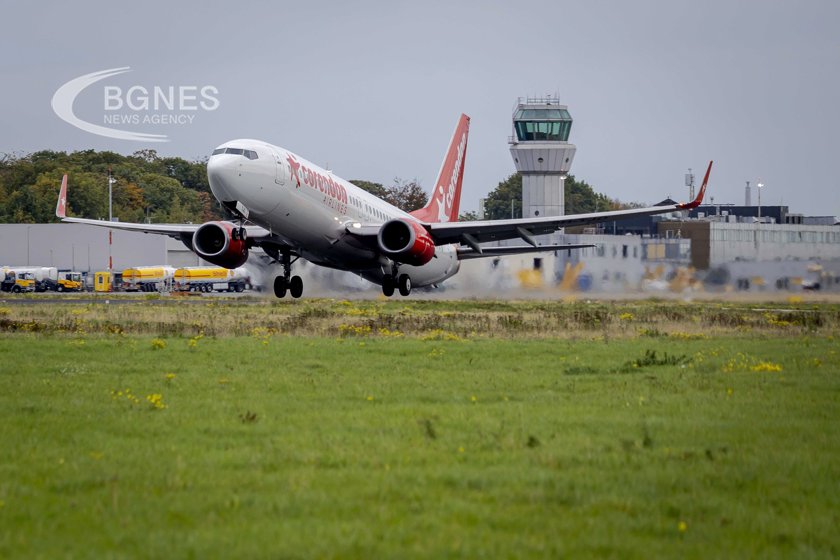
(388, 285)
(296, 287)
(405, 284)
(280, 287)
(243, 234)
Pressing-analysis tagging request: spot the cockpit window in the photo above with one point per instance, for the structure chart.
(250, 154)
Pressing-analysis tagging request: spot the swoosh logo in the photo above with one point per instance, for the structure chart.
(65, 96)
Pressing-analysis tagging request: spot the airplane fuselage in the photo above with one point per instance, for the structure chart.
(310, 209)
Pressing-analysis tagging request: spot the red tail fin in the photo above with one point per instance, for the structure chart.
(446, 197)
(61, 207)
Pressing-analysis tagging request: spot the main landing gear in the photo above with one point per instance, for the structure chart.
(287, 282)
(396, 281)
(240, 233)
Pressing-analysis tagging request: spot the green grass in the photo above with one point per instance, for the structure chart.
(275, 446)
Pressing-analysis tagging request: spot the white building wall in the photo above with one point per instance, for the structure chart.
(78, 247)
(613, 265)
(731, 242)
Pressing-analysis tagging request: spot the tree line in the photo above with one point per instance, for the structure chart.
(505, 201)
(151, 188)
(147, 187)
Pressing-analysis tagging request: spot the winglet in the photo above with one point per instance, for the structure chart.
(697, 201)
(61, 207)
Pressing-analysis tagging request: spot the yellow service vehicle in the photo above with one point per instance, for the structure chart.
(210, 279)
(147, 278)
(69, 282)
(17, 282)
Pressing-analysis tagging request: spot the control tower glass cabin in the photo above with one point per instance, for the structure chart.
(542, 154)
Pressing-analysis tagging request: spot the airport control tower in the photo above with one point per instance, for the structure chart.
(542, 154)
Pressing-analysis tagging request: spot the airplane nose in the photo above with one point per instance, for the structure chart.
(221, 170)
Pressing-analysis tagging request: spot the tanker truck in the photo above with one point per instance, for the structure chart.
(46, 277)
(211, 278)
(16, 281)
(147, 278)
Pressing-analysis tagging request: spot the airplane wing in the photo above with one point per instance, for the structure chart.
(471, 253)
(474, 233)
(177, 231)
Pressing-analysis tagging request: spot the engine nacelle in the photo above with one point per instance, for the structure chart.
(406, 242)
(215, 242)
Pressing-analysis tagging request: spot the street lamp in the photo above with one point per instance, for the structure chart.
(760, 185)
(758, 224)
(111, 182)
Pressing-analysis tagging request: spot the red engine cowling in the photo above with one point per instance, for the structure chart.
(214, 242)
(406, 242)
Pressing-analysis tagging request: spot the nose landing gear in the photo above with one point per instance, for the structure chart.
(287, 282)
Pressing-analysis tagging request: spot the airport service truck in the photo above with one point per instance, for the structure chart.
(49, 278)
(211, 278)
(69, 281)
(147, 278)
(16, 281)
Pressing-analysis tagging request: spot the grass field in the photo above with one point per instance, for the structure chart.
(419, 429)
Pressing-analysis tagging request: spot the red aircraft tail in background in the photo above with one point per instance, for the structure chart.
(445, 201)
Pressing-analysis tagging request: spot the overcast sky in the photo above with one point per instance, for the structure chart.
(374, 89)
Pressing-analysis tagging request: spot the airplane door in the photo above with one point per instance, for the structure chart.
(280, 170)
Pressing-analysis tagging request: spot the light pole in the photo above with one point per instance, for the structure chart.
(111, 182)
(760, 185)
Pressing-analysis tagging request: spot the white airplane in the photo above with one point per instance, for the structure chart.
(292, 209)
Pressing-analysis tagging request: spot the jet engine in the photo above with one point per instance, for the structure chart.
(217, 243)
(406, 242)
